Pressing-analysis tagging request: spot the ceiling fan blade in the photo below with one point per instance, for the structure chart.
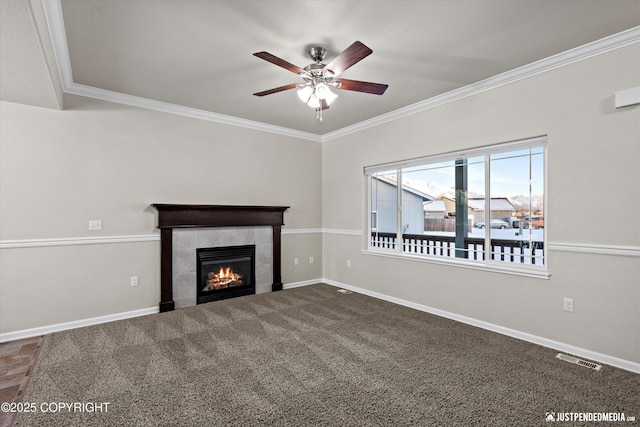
(280, 62)
(277, 89)
(358, 86)
(350, 56)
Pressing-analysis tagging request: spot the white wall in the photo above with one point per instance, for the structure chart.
(593, 154)
(98, 160)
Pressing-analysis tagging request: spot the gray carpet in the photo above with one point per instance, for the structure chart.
(311, 356)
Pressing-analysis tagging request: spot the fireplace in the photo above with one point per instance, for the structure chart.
(183, 217)
(225, 272)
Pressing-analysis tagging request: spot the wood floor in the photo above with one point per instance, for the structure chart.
(17, 360)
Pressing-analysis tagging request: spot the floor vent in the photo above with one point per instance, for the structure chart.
(577, 361)
(344, 291)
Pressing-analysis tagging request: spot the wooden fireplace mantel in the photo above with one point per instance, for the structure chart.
(194, 216)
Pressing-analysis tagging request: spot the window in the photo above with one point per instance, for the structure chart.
(384, 206)
(483, 206)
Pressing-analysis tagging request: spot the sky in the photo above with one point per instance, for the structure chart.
(509, 174)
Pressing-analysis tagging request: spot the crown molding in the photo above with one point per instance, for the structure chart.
(598, 47)
(55, 23)
(181, 110)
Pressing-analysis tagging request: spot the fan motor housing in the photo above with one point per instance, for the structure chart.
(317, 53)
(315, 69)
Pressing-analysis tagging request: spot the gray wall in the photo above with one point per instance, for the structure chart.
(98, 160)
(593, 152)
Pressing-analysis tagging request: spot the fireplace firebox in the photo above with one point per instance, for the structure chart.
(225, 272)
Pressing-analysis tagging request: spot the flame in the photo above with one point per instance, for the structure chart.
(224, 278)
(227, 275)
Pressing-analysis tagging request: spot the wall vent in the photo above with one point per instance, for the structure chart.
(577, 361)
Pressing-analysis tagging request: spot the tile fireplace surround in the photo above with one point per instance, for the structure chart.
(187, 240)
(183, 228)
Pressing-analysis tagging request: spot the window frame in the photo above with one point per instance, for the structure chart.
(529, 270)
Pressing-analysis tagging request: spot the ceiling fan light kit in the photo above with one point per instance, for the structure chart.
(319, 78)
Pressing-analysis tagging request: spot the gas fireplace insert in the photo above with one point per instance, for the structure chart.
(225, 272)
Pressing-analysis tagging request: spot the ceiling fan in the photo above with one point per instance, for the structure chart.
(319, 78)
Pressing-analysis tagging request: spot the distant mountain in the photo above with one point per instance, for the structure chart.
(521, 201)
(431, 188)
(435, 190)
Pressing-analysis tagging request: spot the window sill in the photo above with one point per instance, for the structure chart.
(537, 273)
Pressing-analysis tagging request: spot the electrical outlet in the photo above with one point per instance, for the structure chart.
(296, 261)
(568, 305)
(95, 224)
(134, 280)
(349, 263)
(311, 260)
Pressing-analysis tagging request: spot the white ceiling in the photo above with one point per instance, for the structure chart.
(198, 54)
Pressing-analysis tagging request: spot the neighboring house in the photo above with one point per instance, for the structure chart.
(384, 207)
(501, 208)
(450, 205)
(435, 209)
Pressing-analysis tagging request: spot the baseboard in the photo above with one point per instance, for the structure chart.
(567, 348)
(43, 330)
(303, 283)
(545, 342)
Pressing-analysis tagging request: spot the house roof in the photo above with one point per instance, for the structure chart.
(406, 188)
(497, 204)
(435, 206)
